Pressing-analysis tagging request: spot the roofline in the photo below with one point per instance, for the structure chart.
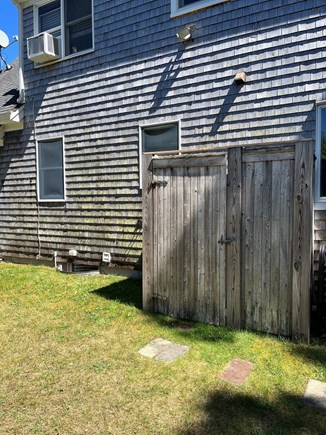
(22, 3)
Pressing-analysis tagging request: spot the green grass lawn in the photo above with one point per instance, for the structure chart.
(69, 364)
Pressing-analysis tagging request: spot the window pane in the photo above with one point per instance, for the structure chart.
(50, 161)
(79, 37)
(160, 138)
(323, 154)
(49, 16)
(186, 2)
(51, 184)
(76, 9)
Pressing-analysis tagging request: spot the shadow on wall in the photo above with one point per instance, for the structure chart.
(229, 412)
(14, 149)
(17, 142)
(225, 107)
(168, 76)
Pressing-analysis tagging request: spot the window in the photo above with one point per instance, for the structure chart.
(320, 167)
(50, 169)
(179, 7)
(159, 137)
(163, 137)
(68, 20)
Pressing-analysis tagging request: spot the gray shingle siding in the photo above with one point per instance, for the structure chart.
(139, 73)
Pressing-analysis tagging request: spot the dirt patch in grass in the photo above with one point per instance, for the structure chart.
(70, 365)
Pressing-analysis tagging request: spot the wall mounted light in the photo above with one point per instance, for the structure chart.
(240, 78)
(185, 34)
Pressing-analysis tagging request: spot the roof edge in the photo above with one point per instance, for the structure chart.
(22, 3)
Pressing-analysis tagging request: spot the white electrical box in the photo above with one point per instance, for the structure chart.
(72, 253)
(106, 257)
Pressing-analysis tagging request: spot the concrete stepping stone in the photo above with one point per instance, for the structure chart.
(315, 394)
(163, 350)
(237, 371)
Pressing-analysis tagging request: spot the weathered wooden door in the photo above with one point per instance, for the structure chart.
(227, 237)
(189, 231)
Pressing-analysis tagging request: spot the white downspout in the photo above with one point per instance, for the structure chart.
(21, 98)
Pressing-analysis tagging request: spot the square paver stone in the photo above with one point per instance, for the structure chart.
(237, 371)
(163, 350)
(315, 394)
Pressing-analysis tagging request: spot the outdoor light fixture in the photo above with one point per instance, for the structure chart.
(240, 78)
(185, 34)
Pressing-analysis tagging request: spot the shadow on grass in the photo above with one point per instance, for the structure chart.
(315, 353)
(196, 331)
(127, 292)
(229, 413)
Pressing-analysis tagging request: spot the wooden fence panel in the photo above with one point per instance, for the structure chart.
(257, 200)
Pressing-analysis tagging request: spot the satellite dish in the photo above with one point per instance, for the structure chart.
(4, 40)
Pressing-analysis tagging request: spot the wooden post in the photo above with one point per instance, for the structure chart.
(147, 266)
(302, 240)
(233, 223)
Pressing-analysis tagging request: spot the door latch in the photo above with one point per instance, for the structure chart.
(159, 183)
(224, 241)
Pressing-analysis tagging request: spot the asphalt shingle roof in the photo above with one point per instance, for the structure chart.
(9, 88)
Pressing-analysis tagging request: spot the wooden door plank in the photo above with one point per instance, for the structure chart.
(193, 297)
(214, 258)
(266, 246)
(247, 266)
(286, 243)
(172, 235)
(208, 245)
(180, 255)
(233, 250)
(222, 247)
(147, 223)
(302, 244)
(201, 243)
(257, 257)
(187, 223)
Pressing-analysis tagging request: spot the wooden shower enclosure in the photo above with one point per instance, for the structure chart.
(227, 236)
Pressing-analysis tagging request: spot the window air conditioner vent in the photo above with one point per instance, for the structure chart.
(43, 48)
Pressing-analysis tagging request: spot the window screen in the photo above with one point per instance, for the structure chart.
(78, 25)
(50, 169)
(49, 16)
(160, 138)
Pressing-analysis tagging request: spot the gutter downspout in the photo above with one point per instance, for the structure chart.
(21, 98)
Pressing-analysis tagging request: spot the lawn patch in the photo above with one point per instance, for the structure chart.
(70, 365)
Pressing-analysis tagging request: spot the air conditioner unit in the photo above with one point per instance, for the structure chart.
(43, 48)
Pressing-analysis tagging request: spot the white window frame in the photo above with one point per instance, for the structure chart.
(200, 4)
(320, 202)
(47, 139)
(140, 141)
(62, 28)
